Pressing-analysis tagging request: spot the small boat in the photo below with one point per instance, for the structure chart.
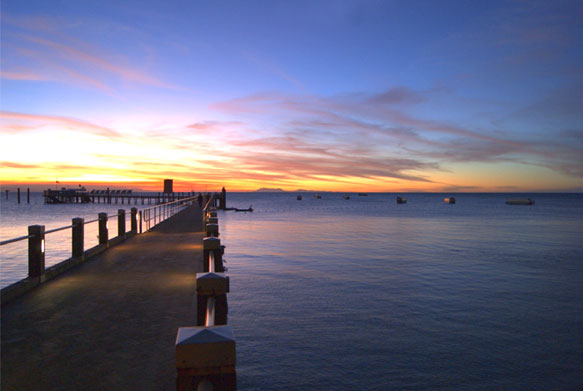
(299, 197)
(250, 209)
(362, 194)
(346, 197)
(401, 200)
(519, 201)
(317, 196)
(449, 200)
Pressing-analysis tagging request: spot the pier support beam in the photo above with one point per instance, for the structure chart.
(36, 251)
(78, 237)
(103, 234)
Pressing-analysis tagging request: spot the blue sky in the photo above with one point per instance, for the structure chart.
(385, 95)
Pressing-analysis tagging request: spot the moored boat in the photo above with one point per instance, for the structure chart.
(450, 200)
(401, 200)
(519, 201)
(299, 197)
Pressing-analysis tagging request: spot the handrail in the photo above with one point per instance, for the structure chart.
(211, 198)
(58, 229)
(50, 231)
(15, 239)
(210, 312)
(169, 203)
(161, 212)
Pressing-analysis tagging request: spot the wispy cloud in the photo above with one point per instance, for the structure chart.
(17, 122)
(387, 127)
(44, 49)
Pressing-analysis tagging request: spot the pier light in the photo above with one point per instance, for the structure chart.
(42, 246)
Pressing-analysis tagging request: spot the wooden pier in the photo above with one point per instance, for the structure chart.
(128, 318)
(81, 196)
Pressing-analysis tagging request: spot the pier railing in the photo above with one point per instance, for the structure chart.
(38, 273)
(205, 353)
(149, 217)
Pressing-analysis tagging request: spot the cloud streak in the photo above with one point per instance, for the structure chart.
(18, 122)
(384, 122)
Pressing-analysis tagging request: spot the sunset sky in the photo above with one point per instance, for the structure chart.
(324, 95)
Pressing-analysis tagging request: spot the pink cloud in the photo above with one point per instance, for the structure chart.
(73, 54)
(37, 121)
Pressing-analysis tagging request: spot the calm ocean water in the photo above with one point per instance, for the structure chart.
(365, 294)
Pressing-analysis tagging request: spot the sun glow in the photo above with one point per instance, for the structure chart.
(186, 95)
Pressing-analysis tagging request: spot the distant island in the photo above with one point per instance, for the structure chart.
(270, 190)
(278, 190)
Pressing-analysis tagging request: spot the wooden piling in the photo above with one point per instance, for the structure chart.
(18, 195)
(28, 195)
(36, 251)
(121, 222)
(78, 237)
(103, 234)
(133, 220)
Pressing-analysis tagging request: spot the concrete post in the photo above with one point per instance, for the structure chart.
(121, 222)
(140, 217)
(205, 355)
(134, 221)
(212, 229)
(36, 251)
(103, 234)
(78, 237)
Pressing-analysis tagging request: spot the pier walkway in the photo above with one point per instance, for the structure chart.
(111, 322)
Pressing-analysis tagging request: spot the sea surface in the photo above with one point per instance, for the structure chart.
(365, 294)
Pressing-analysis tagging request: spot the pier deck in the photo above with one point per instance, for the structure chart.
(109, 323)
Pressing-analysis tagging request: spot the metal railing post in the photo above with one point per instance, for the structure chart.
(78, 237)
(103, 234)
(36, 250)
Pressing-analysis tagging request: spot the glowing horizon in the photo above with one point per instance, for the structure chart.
(373, 97)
